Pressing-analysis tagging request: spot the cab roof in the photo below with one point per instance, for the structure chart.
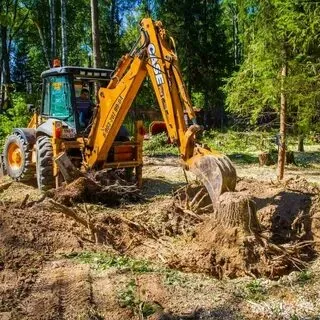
(80, 73)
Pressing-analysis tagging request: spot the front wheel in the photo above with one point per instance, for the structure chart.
(17, 153)
(44, 166)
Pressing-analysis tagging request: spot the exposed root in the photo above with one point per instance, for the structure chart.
(85, 189)
(230, 242)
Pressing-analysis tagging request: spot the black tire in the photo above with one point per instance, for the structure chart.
(44, 164)
(17, 158)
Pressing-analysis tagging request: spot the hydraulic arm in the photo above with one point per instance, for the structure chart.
(154, 55)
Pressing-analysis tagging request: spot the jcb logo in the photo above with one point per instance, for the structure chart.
(155, 64)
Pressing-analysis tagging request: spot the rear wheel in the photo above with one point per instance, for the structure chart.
(17, 155)
(45, 178)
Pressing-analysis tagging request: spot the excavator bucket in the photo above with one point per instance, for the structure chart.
(215, 171)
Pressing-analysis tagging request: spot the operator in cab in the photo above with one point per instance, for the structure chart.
(84, 108)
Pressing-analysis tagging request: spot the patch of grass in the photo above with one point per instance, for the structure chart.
(128, 297)
(304, 276)
(243, 158)
(307, 158)
(173, 278)
(103, 261)
(231, 142)
(159, 145)
(148, 309)
(255, 291)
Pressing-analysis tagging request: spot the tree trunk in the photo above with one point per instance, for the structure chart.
(5, 68)
(43, 43)
(283, 111)
(64, 32)
(95, 34)
(112, 26)
(146, 8)
(5, 55)
(53, 38)
(300, 143)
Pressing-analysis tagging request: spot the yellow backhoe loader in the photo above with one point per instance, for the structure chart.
(55, 130)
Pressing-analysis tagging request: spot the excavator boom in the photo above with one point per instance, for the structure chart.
(155, 56)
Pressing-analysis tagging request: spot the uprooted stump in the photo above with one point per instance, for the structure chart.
(237, 210)
(85, 189)
(231, 243)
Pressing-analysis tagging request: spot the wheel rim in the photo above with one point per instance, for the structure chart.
(15, 156)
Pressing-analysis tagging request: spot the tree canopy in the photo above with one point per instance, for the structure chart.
(230, 52)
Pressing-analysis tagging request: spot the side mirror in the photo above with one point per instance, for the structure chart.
(32, 108)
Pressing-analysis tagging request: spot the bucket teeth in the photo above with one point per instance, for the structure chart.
(216, 173)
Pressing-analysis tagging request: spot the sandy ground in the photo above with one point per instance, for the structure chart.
(152, 263)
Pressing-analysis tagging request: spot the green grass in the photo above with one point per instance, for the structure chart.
(103, 261)
(128, 297)
(304, 277)
(241, 147)
(158, 145)
(255, 291)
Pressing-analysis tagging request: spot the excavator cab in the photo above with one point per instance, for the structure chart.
(62, 89)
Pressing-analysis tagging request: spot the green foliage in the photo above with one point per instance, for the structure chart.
(17, 116)
(127, 297)
(103, 261)
(255, 291)
(201, 43)
(173, 277)
(158, 145)
(277, 32)
(232, 142)
(304, 276)
(198, 99)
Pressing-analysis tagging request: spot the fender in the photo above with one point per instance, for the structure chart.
(46, 128)
(28, 134)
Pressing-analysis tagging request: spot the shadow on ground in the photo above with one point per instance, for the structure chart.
(243, 158)
(228, 311)
(290, 217)
(156, 187)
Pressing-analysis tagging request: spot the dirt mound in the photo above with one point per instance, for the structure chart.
(87, 190)
(276, 239)
(276, 236)
(28, 237)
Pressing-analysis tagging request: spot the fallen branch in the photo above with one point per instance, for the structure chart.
(72, 214)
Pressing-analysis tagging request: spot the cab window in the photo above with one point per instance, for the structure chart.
(57, 98)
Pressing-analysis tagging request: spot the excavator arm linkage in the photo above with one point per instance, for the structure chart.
(155, 56)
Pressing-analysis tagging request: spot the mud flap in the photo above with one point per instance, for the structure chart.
(216, 172)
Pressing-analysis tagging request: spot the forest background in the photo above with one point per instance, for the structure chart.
(242, 60)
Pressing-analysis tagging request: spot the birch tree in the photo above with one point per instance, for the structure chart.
(64, 43)
(53, 37)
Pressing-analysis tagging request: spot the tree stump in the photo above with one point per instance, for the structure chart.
(290, 157)
(265, 159)
(237, 210)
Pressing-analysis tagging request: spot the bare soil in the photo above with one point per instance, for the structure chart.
(196, 268)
